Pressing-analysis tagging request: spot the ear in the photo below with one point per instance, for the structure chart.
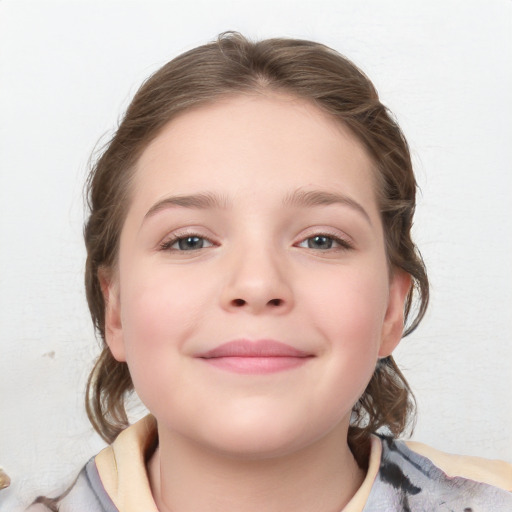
(393, 326)
(113, 325)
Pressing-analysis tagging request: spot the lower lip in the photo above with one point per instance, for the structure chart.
(256, 365)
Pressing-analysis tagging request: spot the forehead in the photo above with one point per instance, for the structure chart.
(254, 146)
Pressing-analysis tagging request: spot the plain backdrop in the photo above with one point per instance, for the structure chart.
(67, 72)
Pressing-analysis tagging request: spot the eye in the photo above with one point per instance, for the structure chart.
(186, 243)
(324, 243)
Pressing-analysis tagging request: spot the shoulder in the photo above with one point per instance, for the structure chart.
(415, 477)
(493, 472)
(86, 494)
(116, 479)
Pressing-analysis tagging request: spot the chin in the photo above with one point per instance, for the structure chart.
(256, 445)
(268, 436)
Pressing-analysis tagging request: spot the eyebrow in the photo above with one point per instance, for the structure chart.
(303, 198)
(206, 201)
(298, 198)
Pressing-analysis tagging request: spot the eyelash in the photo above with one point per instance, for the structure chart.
(342, 244)
(166, 245)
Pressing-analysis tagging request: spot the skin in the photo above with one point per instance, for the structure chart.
(251, 441)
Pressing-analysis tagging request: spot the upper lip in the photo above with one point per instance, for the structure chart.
(257, 348)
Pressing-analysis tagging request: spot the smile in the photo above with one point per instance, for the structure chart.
(255, 357)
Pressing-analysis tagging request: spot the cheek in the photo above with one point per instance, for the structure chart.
(352, 305)
(350, 314)
(159, 313)
(159, 301)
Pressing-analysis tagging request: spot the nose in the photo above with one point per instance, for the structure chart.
(257, 282)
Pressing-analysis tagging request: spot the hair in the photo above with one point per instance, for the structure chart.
(233, 65)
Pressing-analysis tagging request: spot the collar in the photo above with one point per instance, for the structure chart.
(122, 470)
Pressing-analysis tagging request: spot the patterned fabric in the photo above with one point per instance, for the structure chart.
(409, 482)
(86, 495)
(405, 482)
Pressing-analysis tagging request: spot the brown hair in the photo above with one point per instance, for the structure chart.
(234, 65)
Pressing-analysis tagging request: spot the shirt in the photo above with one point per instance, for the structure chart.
(401, 477)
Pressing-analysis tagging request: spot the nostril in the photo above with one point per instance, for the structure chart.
(238, 302)
(275, 302)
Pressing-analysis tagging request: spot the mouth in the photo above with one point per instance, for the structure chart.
(255, 357)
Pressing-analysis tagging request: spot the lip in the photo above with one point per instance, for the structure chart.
(255, 357)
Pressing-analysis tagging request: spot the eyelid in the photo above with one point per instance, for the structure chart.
(169, 240)
(345, 242)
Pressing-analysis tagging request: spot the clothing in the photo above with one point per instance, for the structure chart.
(402, 477)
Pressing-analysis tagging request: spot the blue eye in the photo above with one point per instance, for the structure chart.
(186, 243)
(324, 243)
(190, 243)
(320, 242)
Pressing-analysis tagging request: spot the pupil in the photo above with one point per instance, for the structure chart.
(320, 242)
(191, 242)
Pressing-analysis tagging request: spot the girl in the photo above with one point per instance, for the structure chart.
(250, 271)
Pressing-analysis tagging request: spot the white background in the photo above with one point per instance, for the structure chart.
(67, 71)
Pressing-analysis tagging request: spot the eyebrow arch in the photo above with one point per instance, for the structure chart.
(301, 198)
(298, 198)
(199, 201)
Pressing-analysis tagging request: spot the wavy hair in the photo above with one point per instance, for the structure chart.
(234, 65)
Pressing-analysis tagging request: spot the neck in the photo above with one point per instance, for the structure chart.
(320, 477)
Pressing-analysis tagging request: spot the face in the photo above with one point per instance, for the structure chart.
(252, 296)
